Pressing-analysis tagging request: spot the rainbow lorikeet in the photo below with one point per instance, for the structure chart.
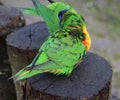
(65, 47)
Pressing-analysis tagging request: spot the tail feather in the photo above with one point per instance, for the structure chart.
(30, 71)
(26, 74)
(47, 15)
(29, 11)
(16, 75)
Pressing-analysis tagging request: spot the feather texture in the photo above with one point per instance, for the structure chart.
(64, 48)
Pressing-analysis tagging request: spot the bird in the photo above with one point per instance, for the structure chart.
(66, 45)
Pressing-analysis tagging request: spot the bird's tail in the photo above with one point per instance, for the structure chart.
(33, 68)
(29, 71)
(26, 73)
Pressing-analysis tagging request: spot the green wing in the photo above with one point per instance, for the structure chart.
(64, 52)
(49, 14)
(56, 55)
(29, 11)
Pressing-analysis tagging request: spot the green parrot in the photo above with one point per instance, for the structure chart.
(65, 47)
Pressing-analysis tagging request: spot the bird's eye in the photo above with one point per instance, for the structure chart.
(61, 13)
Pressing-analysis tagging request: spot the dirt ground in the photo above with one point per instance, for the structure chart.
(103, 22)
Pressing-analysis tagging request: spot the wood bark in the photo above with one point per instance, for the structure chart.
(91, 80)
(21, 49)
(11, 19)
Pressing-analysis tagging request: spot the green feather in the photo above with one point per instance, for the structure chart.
(59, 59)
(29, 11)
(49, 14)
(46, 14)
(63, 49)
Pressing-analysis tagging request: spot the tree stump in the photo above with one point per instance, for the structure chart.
(11, 19)
(91, 80)
(22, 49)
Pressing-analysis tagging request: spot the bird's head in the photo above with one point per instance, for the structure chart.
(58, 16)
(75, 24)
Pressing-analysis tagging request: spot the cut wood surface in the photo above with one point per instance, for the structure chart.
(91, 80)
(22, 47)
(10, 20)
